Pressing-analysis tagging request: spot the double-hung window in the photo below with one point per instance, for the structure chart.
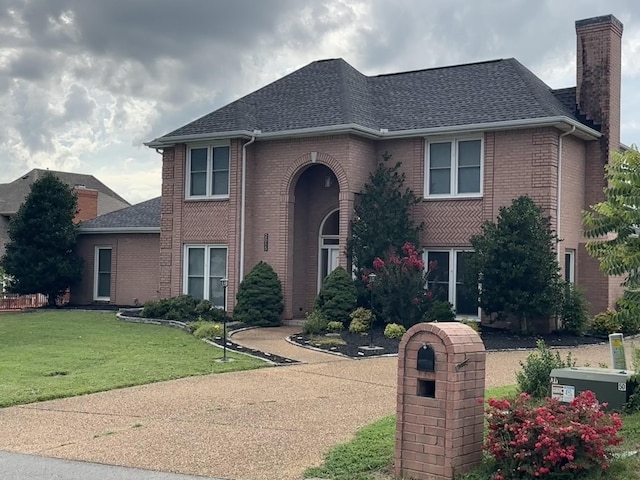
(446, 270)
(454, 168)
(102, 274)
(208, 172)
(204, 267)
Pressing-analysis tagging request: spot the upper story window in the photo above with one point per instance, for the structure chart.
(208, 172)
(454, 168)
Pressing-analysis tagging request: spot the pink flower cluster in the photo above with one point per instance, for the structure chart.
(530, 441)
(410, 261)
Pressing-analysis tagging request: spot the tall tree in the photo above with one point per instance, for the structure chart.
(382, 218)
(41, 254)
(515, 262)
(613, 225)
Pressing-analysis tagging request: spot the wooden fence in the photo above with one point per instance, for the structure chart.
(14, 302)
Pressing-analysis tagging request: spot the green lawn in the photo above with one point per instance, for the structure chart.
(369, 456)
(52, 354)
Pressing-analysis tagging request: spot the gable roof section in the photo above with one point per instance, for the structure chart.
(331, 93)
(14, 193)
(140, 218)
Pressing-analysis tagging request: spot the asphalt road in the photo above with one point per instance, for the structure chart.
(17, 466)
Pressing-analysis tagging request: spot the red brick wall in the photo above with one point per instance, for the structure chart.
(134, 267)
(87, 204)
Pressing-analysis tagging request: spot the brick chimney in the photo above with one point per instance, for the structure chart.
(87, 203)
(599, 65)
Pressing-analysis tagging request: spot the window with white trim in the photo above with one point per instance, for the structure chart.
(454, 168)
(208, 172)
(204, 267)
(446, 278)
(102, 274)
(570, 265)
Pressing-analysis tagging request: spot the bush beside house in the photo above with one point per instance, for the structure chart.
(260, 301)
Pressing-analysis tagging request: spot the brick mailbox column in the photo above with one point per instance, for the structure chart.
(441, 373)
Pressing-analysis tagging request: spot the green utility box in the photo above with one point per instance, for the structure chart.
(609, 386)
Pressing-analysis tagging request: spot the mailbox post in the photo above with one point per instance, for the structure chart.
(441, 374)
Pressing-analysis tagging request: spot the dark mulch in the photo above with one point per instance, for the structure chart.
(494, 340)
(231, 345)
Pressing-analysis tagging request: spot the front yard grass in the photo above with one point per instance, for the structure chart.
(53, 354)
(369, 456)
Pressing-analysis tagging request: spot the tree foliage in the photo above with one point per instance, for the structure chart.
(613, 226)
(337, 297)
(259, 297)
(41, 254)
(515, 262)
(382, 218)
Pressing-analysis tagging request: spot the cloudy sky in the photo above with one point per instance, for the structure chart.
(83, 83)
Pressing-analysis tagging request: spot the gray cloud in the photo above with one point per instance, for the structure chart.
(122, 71)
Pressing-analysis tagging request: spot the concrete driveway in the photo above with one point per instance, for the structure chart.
(260, 424)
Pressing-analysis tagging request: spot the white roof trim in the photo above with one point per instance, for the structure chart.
(103, 230)
(561, 122)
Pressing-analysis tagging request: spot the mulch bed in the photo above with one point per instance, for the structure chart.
(494, 340)
(233, 346)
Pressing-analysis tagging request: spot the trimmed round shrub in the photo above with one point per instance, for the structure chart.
(361, 320)
(259, 298)
(315, 323)
(605, 323)
(335, 326)
(208, 330)
(440, 311)
(394, 331)
(337, 297)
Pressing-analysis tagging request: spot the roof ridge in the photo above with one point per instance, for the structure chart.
(439, 68)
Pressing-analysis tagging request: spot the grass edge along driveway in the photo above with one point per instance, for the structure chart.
(59, 353)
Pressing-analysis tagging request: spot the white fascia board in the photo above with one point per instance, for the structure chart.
(562, 122)
(105, 230)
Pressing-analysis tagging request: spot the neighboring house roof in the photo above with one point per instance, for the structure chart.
(140, 218)
(13, 194)
(331, 93)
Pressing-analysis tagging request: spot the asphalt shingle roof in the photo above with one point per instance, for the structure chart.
(13, 194)
(332, 92)
(145, 215)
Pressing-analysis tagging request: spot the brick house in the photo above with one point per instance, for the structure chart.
(274, 175)
(121, 256)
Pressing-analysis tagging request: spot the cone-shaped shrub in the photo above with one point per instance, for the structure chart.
(337, 297)
(259, 298)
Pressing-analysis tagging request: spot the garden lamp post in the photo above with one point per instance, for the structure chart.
(372, 278)
(224, 282)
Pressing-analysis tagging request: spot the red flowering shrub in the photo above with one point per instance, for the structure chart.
(553, 440)
(401, 293)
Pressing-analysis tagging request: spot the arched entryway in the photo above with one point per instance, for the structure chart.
(315, 233)
(328, 246)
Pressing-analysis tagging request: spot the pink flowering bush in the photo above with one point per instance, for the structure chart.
(401, 293)
(553, 440)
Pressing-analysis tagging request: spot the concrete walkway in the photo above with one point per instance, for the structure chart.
(256, 425)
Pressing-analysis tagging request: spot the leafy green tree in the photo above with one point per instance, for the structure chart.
(41, 254)
(613, 226)
(259, 297)
(515, 262)
(337, 297)
(382, 218)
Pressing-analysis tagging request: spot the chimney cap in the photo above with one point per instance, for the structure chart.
(601, 20)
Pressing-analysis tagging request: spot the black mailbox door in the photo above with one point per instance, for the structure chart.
(426, 359)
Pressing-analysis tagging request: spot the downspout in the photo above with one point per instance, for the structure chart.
(243, 206)
(559, 190)
(558, 200)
